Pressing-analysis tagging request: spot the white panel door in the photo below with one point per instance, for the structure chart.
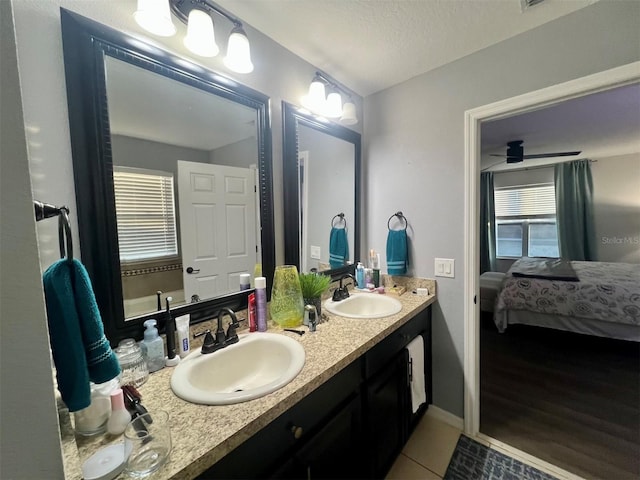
(217, 209)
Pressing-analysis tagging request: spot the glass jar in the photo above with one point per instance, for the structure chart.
(286, 305)
(134, 367)
(93, 419)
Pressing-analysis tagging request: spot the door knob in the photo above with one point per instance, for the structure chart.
(191, 270)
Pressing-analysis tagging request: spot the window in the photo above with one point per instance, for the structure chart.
(526, 221)
(145, 214)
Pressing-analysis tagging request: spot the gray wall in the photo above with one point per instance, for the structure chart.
(414, 149)
(29, 425)
(616, 199)
(239, 154)
(278, 73)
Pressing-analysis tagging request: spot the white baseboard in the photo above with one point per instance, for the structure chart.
(446, 417)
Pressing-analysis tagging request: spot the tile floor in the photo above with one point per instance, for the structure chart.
(427, 453)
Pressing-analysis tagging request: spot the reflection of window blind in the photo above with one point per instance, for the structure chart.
(525, 201)
(145, 213)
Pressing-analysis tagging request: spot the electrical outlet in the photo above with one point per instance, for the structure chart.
(315, 252)
(444, 267)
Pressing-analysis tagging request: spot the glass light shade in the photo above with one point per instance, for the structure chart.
(155, 17)
(349, 116)
(334, 105)
(200, 37)
(238, 57)
(286, 305)
(315, 100)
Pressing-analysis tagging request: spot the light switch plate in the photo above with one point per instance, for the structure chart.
(444, 267)
(315, 252)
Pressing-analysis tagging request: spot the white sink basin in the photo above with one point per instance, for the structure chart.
(260, 363)
(364, 305)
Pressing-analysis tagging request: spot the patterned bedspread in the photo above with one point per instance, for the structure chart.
(608, 292)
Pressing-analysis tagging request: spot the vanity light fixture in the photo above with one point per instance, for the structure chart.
(330, 106)
(155, 17)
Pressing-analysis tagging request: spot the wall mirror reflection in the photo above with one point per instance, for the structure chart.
(184, 187)
(172, 166)
(321, 187)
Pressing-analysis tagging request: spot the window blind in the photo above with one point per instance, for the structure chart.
(525, 201)
(145, 213)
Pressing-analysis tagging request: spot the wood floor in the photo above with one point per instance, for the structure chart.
(572, 400)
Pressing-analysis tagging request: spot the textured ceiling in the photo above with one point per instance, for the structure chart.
(370, 45)
(602, 124)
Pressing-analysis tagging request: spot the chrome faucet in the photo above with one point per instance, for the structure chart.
(342, 292)
(221, 339)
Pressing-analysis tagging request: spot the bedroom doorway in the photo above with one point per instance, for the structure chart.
(473, 119)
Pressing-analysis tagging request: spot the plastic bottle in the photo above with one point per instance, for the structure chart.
(153, 346)
(261, 303)
(360, 275)
(120, 416)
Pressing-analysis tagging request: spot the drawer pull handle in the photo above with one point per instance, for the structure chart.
(296, 431)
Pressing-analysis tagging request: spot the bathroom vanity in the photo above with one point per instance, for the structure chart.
(347, 414)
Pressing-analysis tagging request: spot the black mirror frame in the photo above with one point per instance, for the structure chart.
(85, 45)
(292, 117)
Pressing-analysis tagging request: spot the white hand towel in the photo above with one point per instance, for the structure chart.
(416, 356)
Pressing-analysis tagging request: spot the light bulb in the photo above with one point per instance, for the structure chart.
(238, 57)
(334, 105)
(349, 116)
(200, 37)
(155, 17)
(315, 100)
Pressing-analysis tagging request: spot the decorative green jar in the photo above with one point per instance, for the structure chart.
(286, 305)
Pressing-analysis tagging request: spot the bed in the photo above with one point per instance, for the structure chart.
(593, 298)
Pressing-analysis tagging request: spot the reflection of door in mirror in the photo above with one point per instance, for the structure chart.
(156, 121)
(217, 224)
(327, 189)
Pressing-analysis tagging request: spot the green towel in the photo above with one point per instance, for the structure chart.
(80, 350)
(338, 247)
(397, 252)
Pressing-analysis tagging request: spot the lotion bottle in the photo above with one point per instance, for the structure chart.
(261, 303)
(153, 346)
(120, 416)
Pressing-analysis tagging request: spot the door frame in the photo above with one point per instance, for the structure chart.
(473, 118)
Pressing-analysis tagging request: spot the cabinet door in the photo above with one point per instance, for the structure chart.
(334, 452)
(388, 414)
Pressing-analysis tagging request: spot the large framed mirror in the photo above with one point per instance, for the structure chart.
(321, 193)
(173, 175)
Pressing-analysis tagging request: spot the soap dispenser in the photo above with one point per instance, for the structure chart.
(153, 346)
(360, 275)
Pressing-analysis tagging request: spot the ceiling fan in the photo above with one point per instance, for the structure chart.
(515, 153)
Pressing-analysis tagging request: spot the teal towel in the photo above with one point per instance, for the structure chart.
(80, 350)
(397, 252)
(338, 247)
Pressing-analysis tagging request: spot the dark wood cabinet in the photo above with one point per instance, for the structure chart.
(387, 414)
(352, 426)
(334, 452)
(389, 418)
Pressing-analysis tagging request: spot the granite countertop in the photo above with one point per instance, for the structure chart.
(202, 434)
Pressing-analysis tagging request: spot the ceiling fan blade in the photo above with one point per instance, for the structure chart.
(552, 154)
